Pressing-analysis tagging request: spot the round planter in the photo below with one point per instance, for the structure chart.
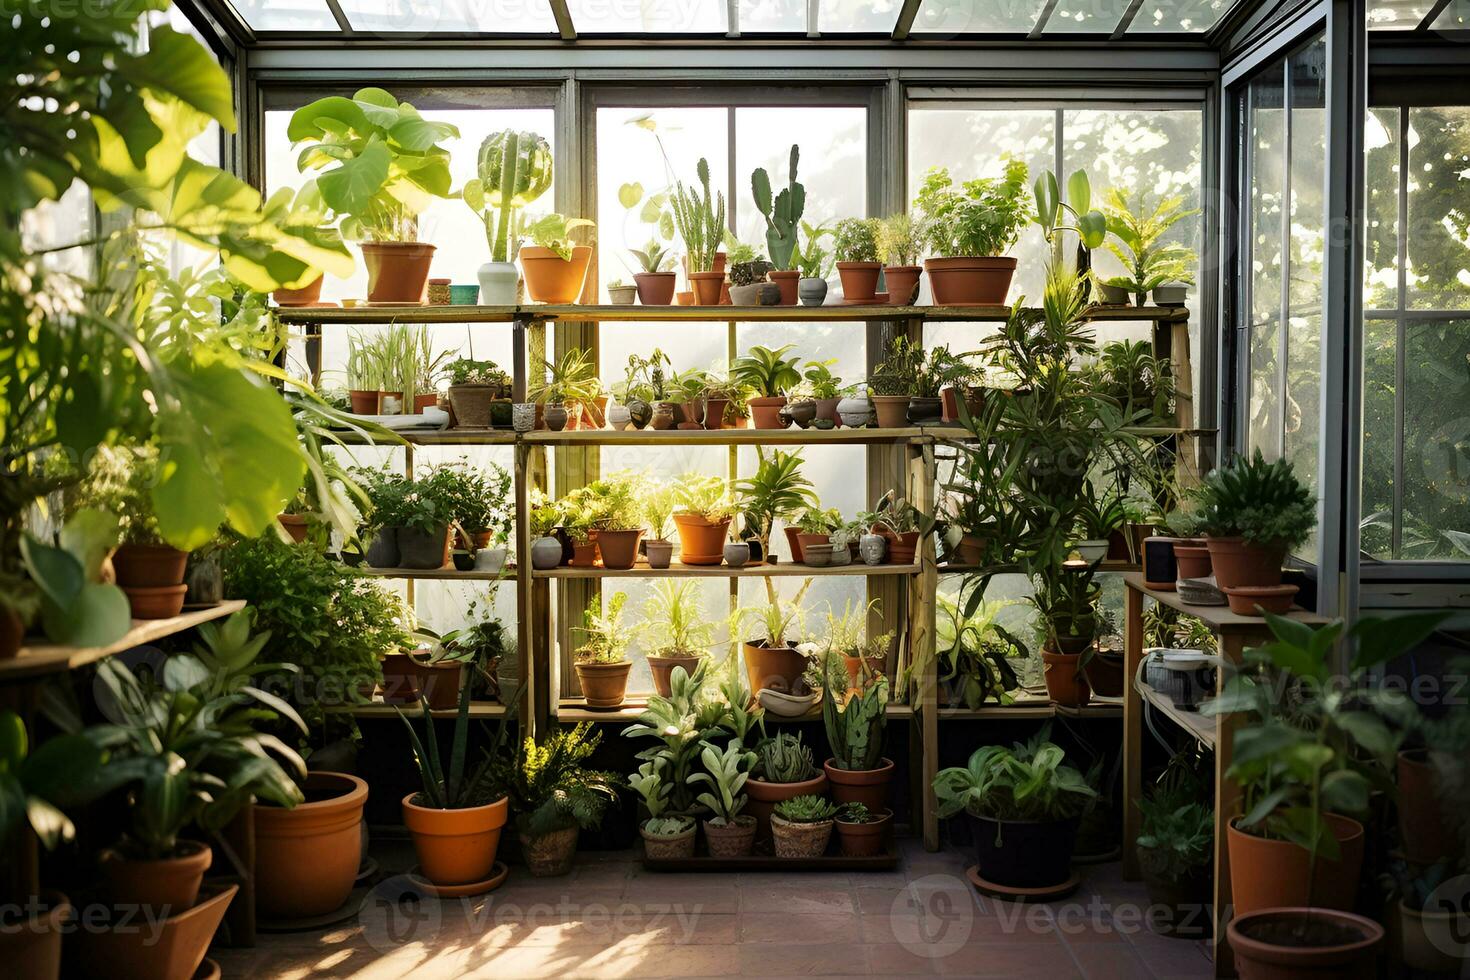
(499, 282)
(31, 947)
(762, 797)
(789, 282)
(1425, 833)
(864, 839)
(167, 885)
(1237, 563)
(925, 410)
(472, 405)
(701, 541)
(1258, 600)
(149, 565)
(307, 857)
(1024, 853)
(660, 553)
(158, 602)
(765, 412)
(892, 410)
(859, 281)
(1269, 944)
(1267, 873)
(662, 669)
(1192, 559)
(655, 288)
(730, 840)
(551, 278)
(779, 668)
(1431, 941)
(707, 287)
(455, 847)
(866, 786)
(903, 284)
(423, 549)
(855, 412)
(619, 548)
(555, 417)
(305, 295)
(812, 291)
(678, 847)
(545, 553)
(397, 271)
(970, 281)
(604, 685)
(1065, 683)
(800, 840)
(550, 855)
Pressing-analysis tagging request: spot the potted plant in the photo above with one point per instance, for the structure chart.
(655, 283)
(664, 837)
(602, 662)
(1023, 805)
(1137, 241)
(968, 229)
(555, 266)
(1253, 513)
(862, 832)
(1175, 848)
(801, 827)
(700, 219)
(813, 265)
(855, 243)
(377, 179)
(677, 633)
(783, 769)
(474, 389)
(727, 831)
(772, 659)
(783, 218)
(900, 242)
(768, 374)
(704, 508)
(554, 794)
(894, 382)
(855, 721)
(514, 169)
(777, 490)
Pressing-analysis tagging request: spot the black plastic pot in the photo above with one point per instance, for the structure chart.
(1024, 854)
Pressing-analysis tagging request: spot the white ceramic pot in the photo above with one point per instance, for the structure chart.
(498, 283)
(855, 412)
(811, 292)
(545, 553)
(490, 560)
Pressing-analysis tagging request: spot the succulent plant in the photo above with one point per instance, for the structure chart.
(784, 759)
(805, 809)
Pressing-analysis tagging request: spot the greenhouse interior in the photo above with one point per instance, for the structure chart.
(526, 488)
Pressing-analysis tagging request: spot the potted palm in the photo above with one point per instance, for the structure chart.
(968, 229)
(656, 280)
(700, 219)
(900, 240)
(783, 219)
(514, 169)
(377, 178)
(727, 831)
(783, 770)
(704, 508)
(676, 631)
(554, 265)
(855, 243)
(855, 720)
(1253, 512)
(602, 662)
(801, 827)
(768, 374)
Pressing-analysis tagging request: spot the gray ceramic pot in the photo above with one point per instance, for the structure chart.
(811, 292)
(545, 553)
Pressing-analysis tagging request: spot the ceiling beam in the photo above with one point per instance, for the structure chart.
(905, 23)
(564, 25)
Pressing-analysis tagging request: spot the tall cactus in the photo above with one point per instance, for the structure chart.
(783, 215)
(514, 169)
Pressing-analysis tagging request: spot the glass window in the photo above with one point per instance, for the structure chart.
(286, 15)
(975, 17)
(648, 16)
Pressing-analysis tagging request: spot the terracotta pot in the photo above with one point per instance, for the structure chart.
(455, 847)
(307, 857)
(892, 410)
(701, 542)
(31, 947)
(655, 288)
(706, 287)
(161, 602)
(295, 525)
(762, 797)
(786, 280)
(619, 549)
(1104, 674)
(674, 848)
(864, 839)
(302, 296)
(397, 271)
(1425, 832)
(365, 402)
(866, 786)
(1237, 563)
(903, 284)
(859, 280)
(970, 281)
(149, 565)
(550, 855)
(779, 668)
(1265, 950)
(1435, 942)
(423, 549)
(800, 840)
(730, 840)
(169, 885)
(1259, 600)
(766, 412)
(663, 670)
(1065, 683)
(1267, 873)
(604, 685)
(171, 950)
(551, 278)
(1190, 558)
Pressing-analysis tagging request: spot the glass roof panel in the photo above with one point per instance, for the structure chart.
(648, 16)
(976, 16)
(858, 16)
(1455, 17)
(431, 16)
(286, 15)
(1178, 16)
(1397, 15)
(1085, 16)
(772, 16)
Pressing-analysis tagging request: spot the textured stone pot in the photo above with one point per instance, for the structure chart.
(812, 292)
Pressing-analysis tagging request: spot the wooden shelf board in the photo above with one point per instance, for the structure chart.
(444, 574)
(1218, 618)
(1201, 727)
(724, 437)
(780, 570)
(380, 710)
(51, 658)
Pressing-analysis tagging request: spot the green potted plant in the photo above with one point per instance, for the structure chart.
(514, 169)
(855, 243)
(855, 720)
(777, 490)
(1253, 514)
(894, 381)
(968, 230)
(475, 390)
(602, 662)
(1023, 804)
(813, 265)
(783, 769)
(1176, 851)
(656, 279)
(700, 219)
(727, 831)
(862, 832)
(783, 219)
(769, 374)
(704, 508)
(801, 827)
(676, 631)
(1138, 232)
(664, 837)
(900, 245)
(377, 178)
(554, 265)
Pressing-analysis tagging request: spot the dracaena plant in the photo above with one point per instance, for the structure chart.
(514, 169)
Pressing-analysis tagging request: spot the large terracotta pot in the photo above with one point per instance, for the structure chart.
(171, 950)
(1238, 563)
(701, 542)
(866, 786)
(550, 855)
(785, 280)
(1066, 684)
(1268, 873)
(619, 549)
(397, 271)
(762, 797)
(455, 847)
(551, 278)
(765, 412)
(604, 685)
(1265, 950)
(903, 284)
(149, 566)
(970, 281)
(303, 296)
(306, 858)
(706, 286)
(662, 669)
(1426, 834)
(655, 288)
(31, 947)
(779, 668)
(892, 410)
(168, 883)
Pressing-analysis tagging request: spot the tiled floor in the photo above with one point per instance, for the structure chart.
(612, 918)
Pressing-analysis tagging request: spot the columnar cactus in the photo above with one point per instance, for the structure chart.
(783, 215)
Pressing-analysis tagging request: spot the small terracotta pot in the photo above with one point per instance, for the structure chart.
(762, 797)
(786, 280)
(1259, 600)
(551, 278)
(1268, 873)
(800, 840)
(170, 884)
(1237, 563)
(766, 411)
(160, 602)
(302, 296)
(295, 525)
(673, 848)
(864, 839)
(170, 950)
(1066, 684)
(619, 548)
(1350, 957)
(1191, 558)
(892, 410)
(859, 280)
(730, 840)
(655, 288)
(779, 668)
(397, 271)
(550, 855)
(701, 542)
(866, 786)
(707, 287)
(307, 857)
(967, 281)
(662, 669)
(149, 565)
(903, 284)
(30, 947)
(455, 847)
(604, 685)
(1426, 833)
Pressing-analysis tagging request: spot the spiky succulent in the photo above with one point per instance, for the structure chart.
(805, 809)
(1263, 502)
(784, 759)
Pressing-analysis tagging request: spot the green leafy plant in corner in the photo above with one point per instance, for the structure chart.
(782, 213)
(514, 169)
